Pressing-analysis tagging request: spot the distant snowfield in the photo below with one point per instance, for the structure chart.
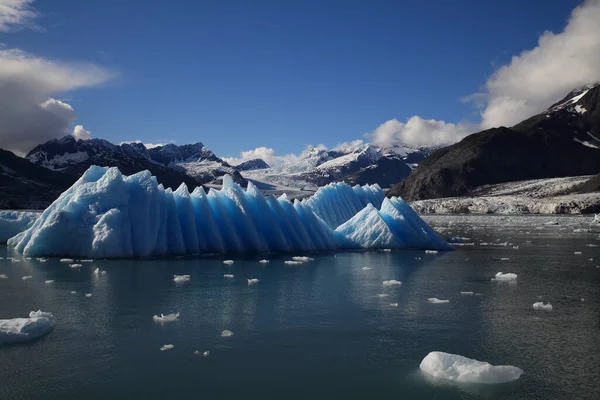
(539, 196)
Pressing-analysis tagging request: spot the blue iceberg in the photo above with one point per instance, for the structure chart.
(108, 215)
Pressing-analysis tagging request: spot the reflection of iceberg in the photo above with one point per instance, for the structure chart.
(107, 215)
(18, 330)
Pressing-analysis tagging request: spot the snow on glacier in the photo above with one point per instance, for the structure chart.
(19, 330)
(457, 368)
(108, 215)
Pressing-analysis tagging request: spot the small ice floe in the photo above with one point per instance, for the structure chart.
(3, 276)
(252, 281)
(88, 295)
(366, 268)
(590, 259)
(75, 266)
(382, 295)
(591, 245)
(73, 292)
(393, 304)
(417, 258)
(515, 247)
(467, 293)
(86, 261)
(577, 253)
(27, 277)
(457, 368)
(19, 330)
(505, 277)
(98, 272)
(392, 282)
(28, 258)
(228, 262)
(505, 259)
(302, 259)
(431, 251)
(463, 244)
(66, 260)
(541, 306)
(230, 276)
(14, 260)
(580, 230)
(42, 259)
(264, 261)
(167, 347)
(293, 262)
(458, 239)
(435, 300)
(162, 318)
(226, 333)
(387, 250)
(181, 278)
(205, 354)
(49, 281)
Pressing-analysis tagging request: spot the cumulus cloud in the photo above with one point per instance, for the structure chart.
(81, 134)
(537, 78)
(16, 13)
(267, 154)
(418, 132)
(29, 113)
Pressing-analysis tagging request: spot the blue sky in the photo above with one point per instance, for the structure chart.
(238, 75)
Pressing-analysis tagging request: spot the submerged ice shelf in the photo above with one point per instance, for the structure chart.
(108, 215)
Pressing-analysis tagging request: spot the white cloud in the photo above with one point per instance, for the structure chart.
(81, 133)
(267, 154)
(29, 114)
(418, 132)
(15, 14)
(146, 145)
(537, 78)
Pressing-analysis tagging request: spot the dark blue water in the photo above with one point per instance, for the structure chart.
(318, 330)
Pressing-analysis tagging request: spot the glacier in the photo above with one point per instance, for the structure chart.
(108, 215)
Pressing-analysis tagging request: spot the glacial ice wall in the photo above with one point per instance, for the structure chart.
(108, 215)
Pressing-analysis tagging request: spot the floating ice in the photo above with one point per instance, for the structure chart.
(431, 251)
(3, 276)
(226, 333)
(108, 215)
(467, 293)
(75, 266)
(435, 300)
(73, 292)
(293, 262)
(263, 261)
(393, 304)
(505, 259)
(366, 268)
(165, 318)
(302, 259)
(66, 260)
(382, 295)
(18, 330)
(577, 253)
(167, 347)
(252, 281)
(461, 369)
(181, 278)
(86, 261)
(392, 282)
(42, 259)
(505, 277)
(228, 276)
(228, 262)
(591, 245)
(49, 281)
(14, 222)
(88, 295)
(26, 277)
(205, 354)
(387, 250)
(541, 306)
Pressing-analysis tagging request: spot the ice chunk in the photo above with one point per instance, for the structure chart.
(165, 318)
(577, 253)
(541, 306)
(392, 282)
(228, 262)
(73, 292)
(108, 215)
(302, 259)
(205, 354)
(461, 369)
(467, 293)
(366, 268)
(252, 281)
(66, 260)
(293, 262)
(591, 245)
(3, 276)
(431, 251)
(97, 271)
(505, 277)
(393, 304)
(26, 277)
(167, 347)
(387, 250)
(382, 295)
(86, 261)
(263, 261)
(19, 330)
(226, 333)
(505, 259)
(49, 281)
(75, 266)
(88, 295)
(228, 276)
(181, 278)
(435, 300)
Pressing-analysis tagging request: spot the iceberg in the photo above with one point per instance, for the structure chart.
(165, 318)
(19, 330)
(509, 276)
(108, 215)
(457, 368)
(14, 222)
(541, 306)
(435, 300)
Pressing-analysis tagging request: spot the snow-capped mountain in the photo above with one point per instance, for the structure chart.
(193, 164)
(317, 166)
(256, 163)
(562, 141)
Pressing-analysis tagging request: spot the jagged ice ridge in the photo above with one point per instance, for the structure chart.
(108, 215)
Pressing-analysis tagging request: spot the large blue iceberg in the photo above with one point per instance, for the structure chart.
(108, 215)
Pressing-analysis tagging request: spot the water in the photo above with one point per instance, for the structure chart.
(318, 330)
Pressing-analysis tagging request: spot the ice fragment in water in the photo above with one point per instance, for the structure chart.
(228, 276)
(19, 330)
(66, 260)
(252, 281)
(392, 282)
(541, 306)
(49, 281)
(293, 262)
(302, 259)
(3, 276)
(75, 266)
(505, 277)
(167, 347)
(263, 261)
(505, 259)
(435, 300)
(577, 253)
(26, 277)
(226, 333)
(431, 251)
(181, 278)
(165, 318)
(383, 295)
(467, 293)
(88, 295)
(228, 262)
(366, 268)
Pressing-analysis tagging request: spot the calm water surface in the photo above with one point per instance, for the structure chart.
(318, 330)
